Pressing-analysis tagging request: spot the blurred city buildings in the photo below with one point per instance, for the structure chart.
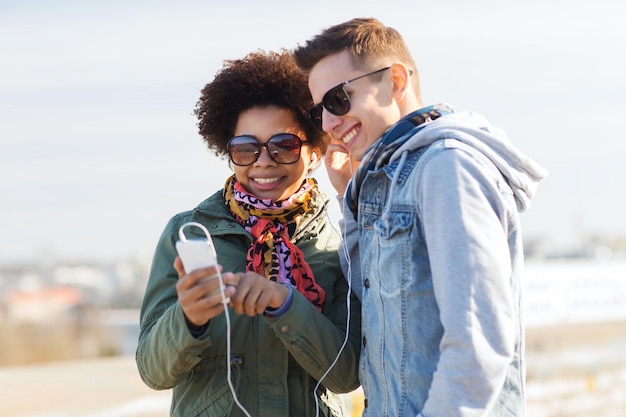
(69, 310)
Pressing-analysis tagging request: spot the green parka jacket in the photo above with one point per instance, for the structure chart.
(275, 362)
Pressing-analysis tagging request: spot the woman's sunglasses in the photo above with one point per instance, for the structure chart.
(283, 148)
(336, 101)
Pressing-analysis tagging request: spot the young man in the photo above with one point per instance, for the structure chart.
(433, 207)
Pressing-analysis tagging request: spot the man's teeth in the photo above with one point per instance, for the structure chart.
(266, 180)
(351, 134)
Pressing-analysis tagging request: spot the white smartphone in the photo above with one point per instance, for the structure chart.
(196, 253)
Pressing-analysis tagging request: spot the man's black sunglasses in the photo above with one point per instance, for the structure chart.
(283, 148)
(336, 101)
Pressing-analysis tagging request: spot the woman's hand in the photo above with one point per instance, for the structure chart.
(254, 293)
(199, 294)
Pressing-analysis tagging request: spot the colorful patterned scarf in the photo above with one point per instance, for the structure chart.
(271, 224)
(379, 153)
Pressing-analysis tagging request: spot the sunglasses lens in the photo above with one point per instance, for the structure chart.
(243, 150)
(337, 101)
(315, 116)
(284, 148)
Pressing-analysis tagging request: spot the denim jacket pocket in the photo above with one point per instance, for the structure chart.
(389, 242)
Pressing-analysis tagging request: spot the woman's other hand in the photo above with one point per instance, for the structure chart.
(254, 293)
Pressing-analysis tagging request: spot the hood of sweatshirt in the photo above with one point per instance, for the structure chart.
(522, 173)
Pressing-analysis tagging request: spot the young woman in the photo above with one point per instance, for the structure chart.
(290, 312)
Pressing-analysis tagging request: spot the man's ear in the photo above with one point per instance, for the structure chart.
(401, 78)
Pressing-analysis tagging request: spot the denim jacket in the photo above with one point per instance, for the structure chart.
(441, 257)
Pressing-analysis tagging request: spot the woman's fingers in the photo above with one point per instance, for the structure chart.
(254, 293)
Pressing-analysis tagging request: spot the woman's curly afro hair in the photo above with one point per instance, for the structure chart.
(259, 79)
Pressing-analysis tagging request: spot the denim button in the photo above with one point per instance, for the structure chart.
(285, 328)
(367, 283)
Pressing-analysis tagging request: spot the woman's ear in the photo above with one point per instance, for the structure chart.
(315, 161)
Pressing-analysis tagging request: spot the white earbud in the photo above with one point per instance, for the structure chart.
(314, 155)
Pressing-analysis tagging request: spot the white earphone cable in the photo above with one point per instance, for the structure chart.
(346, 254)
(226, 314)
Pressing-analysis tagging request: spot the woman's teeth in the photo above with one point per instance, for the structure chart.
(266, 180)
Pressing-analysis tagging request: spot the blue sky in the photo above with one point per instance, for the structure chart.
(98, 143)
